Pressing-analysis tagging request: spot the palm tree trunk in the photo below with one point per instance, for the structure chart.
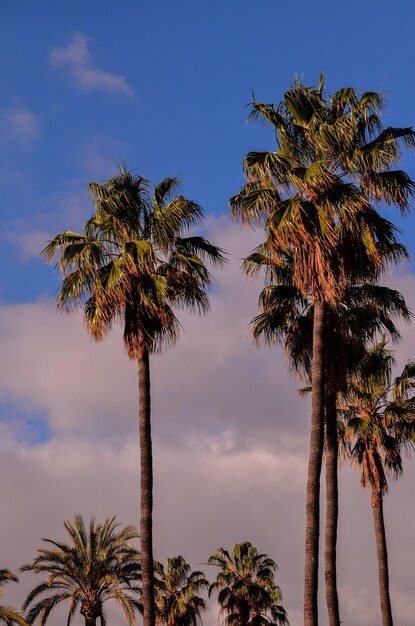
(332, 507)
(146, 482)
(312, 530)
(382, 553)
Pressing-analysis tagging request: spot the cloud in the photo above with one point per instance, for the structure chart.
(19, 125)
(29, 237)
(215, 504)
(102, 154)
(226, 406)
(230, 446)
(76, 59)
(29, 244)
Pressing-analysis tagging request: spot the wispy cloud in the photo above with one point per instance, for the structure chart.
(28, 243)
(76, 59)
(20, 124)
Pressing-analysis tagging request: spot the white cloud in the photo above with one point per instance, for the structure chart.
(77, 60)
(21, 125)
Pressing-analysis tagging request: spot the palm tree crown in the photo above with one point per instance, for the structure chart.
(99, 564)
(134, 263)
(8, 615)
(285, 318)
(177, 602)
(378, 418)
(317, 193)
(247, 592)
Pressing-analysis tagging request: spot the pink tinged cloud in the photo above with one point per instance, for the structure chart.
(76, 59)
(230, 456)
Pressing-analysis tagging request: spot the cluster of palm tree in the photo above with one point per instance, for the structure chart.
(326, 248)
(100, 564)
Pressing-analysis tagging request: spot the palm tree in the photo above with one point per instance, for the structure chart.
(99, 564)
(134, 264)
(8, 615)
(316, 196)
(378, 418)
(247, 592)
(286, 318)
(177, 602)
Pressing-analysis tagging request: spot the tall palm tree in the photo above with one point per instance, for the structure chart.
(317, 197)
(8, 615)
(177, 602)
(286, 318)
(378, 418)
(135, 263)
(99, 564)
(247, 592)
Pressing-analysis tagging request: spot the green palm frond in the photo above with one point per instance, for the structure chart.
(201, 248)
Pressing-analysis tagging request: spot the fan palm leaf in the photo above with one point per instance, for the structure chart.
(247, 592)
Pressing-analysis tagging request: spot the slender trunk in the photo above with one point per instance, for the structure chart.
(90, 621)
(314, 470)
(332, 507)
(146, 482)
(382, 553)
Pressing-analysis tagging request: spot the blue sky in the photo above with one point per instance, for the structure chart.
(162, 86)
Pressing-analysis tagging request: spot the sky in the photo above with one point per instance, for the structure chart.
(162, 87)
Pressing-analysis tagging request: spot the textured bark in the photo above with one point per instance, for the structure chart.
(90, 613)
(382, 553)
(312, 531)
(146, 483)
(332, 508)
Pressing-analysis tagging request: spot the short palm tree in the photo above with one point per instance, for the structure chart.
(378, 424)
(99, 564)
(177, 589)
(135, 263)
(316, 195)
(8, 615)
(246, 588)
